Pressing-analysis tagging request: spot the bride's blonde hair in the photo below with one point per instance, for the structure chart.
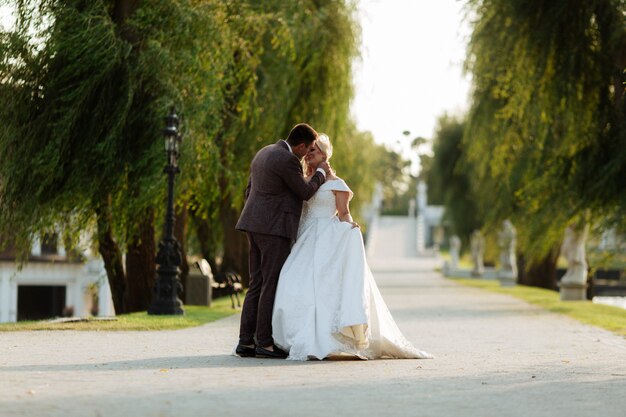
(323, 142)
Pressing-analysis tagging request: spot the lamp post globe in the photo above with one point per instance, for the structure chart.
(167, 286)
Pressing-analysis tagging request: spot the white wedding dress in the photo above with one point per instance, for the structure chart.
(326, 289)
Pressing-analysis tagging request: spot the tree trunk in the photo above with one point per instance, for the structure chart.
(541, 273)
(521, 269)
(124, 9)
(180, 233)
(140, 265)
(112, 256)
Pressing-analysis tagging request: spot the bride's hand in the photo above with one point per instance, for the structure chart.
(355, 225)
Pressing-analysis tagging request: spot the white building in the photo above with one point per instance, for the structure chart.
(51, 285)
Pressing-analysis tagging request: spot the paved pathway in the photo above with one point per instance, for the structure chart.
(395, 237)
(495, 356)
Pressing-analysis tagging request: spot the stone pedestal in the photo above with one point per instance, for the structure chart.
(573, 291)
(507, 278)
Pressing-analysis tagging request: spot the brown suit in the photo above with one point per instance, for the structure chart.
(271, 214)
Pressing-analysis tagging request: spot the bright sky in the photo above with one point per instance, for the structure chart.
(411, 67)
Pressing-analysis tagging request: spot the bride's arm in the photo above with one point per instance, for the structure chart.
(342, 200)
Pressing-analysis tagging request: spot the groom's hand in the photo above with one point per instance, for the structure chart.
(326, 167)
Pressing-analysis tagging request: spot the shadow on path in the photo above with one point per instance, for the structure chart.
(543, 393)
(174, 362)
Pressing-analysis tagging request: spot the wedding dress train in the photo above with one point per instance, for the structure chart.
(327, 301)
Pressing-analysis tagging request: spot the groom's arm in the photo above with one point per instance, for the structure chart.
(293, 177)
(247, 193)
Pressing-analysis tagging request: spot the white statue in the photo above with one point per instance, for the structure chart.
(506, 241)
(477, 243)
(574, 282)
(455, 251)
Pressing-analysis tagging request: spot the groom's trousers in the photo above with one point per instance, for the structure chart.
(267, 256)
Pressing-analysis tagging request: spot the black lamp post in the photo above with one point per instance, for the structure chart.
(167, 286)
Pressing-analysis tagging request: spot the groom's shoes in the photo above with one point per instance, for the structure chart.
(277, 353)
(245, 351)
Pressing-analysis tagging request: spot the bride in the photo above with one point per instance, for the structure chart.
(327, 302)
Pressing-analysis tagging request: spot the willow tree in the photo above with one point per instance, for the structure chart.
(297, 69)
(86, 85)
(546, 130)
(451, 174)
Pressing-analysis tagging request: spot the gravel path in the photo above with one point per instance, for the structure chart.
(495, 356)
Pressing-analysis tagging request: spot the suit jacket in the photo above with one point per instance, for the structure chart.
(275, 192)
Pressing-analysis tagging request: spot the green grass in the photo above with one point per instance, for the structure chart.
(465, 260)
(607, 317)
(194, 316)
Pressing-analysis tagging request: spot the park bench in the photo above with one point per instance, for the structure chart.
(227, 282)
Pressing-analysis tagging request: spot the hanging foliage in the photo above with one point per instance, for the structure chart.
(86, 85)
(546, 132)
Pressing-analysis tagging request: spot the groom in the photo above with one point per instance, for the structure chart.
(270, 218)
